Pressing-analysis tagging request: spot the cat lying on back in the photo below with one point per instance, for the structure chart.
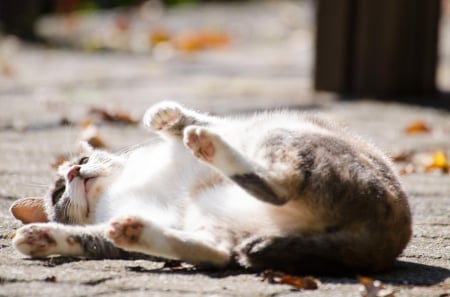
(275, 190)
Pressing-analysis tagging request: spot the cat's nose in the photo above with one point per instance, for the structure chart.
(73, 172)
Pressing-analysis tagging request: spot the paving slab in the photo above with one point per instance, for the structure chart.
(51, 84)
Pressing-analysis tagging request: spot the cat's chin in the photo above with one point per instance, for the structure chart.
(88, 184)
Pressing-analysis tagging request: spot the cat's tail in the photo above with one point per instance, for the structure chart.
(324, 254)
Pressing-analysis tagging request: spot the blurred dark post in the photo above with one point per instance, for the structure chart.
(377, 47)
(17, 17)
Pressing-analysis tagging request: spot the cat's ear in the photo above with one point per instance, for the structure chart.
(29, 210)
(85, 148)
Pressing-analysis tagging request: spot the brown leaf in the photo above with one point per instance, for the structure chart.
(201, 40)
(403, 156)
(96, 142)
(86, 123)
(114, 117)
(418, 126)
(50, 279)
(122, 23)
(302, 283)
(7, 70)
(407, 169)
(91, 136)
(374, 288)
(214, 38)
(58, 161)
(65, 122)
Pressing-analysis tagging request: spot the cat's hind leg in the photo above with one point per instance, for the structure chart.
(40, 240)
(139, 235)
(169, 118)
(212, 149)
(336, 253)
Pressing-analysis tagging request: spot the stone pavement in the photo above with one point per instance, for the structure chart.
(43, 86)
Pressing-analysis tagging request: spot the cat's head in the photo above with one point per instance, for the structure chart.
(75, 193)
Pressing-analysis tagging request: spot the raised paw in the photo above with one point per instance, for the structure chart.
(35, 240)
(163, 116)
(200, 142)
(125, 232)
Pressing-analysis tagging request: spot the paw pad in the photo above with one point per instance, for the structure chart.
(125, 231)
(200, 143)
(162, 116)
(34, 240)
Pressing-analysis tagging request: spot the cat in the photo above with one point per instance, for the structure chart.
(275, 190)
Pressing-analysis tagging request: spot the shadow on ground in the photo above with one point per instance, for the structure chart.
(403, 273)
(408, 273)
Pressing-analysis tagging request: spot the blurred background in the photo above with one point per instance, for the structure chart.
(283, 52)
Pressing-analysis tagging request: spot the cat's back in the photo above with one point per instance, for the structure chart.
(300, 122)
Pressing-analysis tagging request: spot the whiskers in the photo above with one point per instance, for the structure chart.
(128, 149)
(35, 185)
(68, 144)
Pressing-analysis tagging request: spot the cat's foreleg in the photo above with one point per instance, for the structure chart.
(169, 118)
(210, 148)
(45, 239)
(139, 235)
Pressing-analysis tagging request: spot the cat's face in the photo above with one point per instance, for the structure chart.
(74, 195)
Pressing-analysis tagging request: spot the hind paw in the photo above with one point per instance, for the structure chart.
(125, 232)
(201, 142)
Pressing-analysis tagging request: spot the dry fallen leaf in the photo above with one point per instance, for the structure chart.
(406, 161)
(304, 283)
(408, 169)
(114, 117)
(122, 23)
(58, 161)
(50, 279)
(158, 36)
(418, 126)
(439, 161)
(374, 288)
(403, 156)
(96, 142)
(421, 161)
(86, 123)
(201, 40)
(91, 136)
(65, 122)
(7, 70)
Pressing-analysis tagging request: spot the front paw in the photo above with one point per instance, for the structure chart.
(125, 232)
(35, 240)
(163, 116)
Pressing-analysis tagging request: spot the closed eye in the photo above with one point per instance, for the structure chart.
(83, 160)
